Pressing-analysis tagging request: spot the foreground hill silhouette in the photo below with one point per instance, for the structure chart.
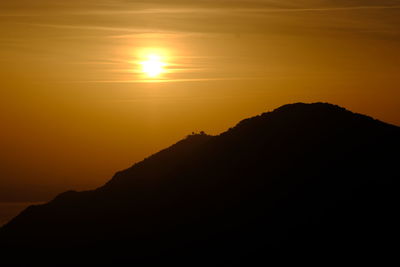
(302, 180)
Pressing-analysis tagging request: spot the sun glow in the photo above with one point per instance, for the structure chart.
(153, 66)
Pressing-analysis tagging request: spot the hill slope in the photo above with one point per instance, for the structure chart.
(304, 178)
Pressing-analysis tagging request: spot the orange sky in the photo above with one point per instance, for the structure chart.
(75, 107)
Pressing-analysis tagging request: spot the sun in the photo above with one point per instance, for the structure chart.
(153, 66)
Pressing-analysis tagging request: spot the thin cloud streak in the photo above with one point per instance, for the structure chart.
(88, 27)
(200, 10)
(173, 80)
(330, 9)
(237, 10)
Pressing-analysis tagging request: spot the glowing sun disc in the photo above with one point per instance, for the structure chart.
(153, 66)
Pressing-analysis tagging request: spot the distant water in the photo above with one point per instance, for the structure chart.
(9, 210)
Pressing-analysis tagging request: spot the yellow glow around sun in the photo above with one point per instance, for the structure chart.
(153, 66)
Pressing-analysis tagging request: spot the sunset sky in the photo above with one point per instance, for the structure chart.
(76, 105)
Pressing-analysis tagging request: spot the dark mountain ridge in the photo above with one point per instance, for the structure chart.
(304, 179)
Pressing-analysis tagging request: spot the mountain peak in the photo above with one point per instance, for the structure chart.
(303, 177)
(300, 106)
(310, 119)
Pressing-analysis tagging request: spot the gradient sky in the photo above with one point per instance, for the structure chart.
(74, 109)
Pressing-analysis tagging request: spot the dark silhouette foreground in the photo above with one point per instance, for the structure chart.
(305, 180)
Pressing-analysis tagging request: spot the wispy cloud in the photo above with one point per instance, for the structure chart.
(196, 10)
(327, 9)
(88, 27)
(170, 80)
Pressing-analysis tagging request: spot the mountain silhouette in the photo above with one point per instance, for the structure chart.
(302, 181)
